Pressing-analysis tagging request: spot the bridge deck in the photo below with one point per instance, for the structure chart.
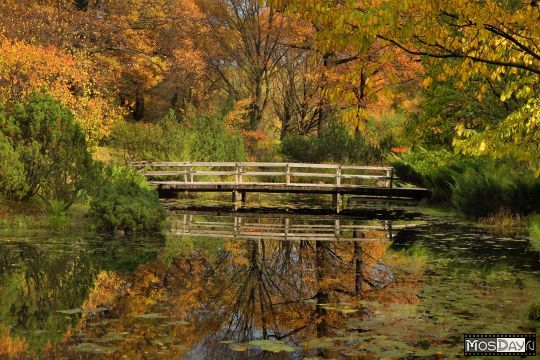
(359, 190)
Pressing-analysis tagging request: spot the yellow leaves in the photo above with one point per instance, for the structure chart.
(482, 147)
(237, 118)
(24, 67)
(427, 82)
(11, 347)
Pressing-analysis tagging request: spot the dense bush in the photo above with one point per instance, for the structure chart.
(51, 147)
(124, 201)
(201, 139)
(477, 194)
(477, 187)
(432, 169)
(334, 144)
(482, 192)
(210, 141)
(12, 180)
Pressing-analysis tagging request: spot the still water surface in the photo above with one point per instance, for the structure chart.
(367, 284)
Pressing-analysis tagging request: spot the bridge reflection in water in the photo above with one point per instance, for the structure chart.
(287, 227)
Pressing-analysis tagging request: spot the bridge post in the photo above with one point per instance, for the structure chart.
(390, 175)
(238, 197)
(337, 202)
(288, 174)
(240, 170)
(243, 198)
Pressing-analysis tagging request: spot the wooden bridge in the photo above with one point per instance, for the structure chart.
(240, 178)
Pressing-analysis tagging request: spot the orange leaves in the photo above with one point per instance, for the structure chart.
(25, 67)
(105, 291)
(11, 346)
(237, 118)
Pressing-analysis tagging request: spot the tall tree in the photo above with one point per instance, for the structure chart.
(247, 54)
(493, 39)
(358, 66)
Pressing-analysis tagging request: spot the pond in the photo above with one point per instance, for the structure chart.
(284, 284)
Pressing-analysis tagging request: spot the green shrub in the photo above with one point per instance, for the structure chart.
(12, 181)
(209, 140)
(521, 190)
(388, 130)
(201, 139)
(124, 201)
(534, 226)
(334, 144)
(534, 311)
(432, 169)
(482, 192)
(165, 140)
(534, 231)
(57, 216)
(51, 147)
(477, 194)
(298, 148)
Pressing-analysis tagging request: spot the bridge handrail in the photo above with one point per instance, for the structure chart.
(189, 171)
(256, 164)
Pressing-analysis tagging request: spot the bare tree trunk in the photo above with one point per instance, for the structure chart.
(324, 106)
(138, 112)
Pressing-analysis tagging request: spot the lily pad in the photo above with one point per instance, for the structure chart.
(95, 310)
(179, 322)
(238, 347)
(150, 316)
(111, 337)
(70, 311)
(274, 346)
(94, 349)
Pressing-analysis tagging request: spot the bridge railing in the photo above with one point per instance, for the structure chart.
(260, 172)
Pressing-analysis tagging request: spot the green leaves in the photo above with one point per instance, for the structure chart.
(124, 201)
(51, 147)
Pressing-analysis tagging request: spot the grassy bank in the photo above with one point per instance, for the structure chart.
(34, 215)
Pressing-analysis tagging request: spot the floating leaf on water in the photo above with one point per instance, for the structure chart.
(274, 346)
(226, 342)
(96, 310)
(70, 311)
(238, 347)
(102, 322)
(179, 322)
(94, 349)
(320, 343)
(342, 308)
(150, 316)
(111, 337)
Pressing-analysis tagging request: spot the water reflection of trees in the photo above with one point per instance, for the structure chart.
(37, 287)
(39, 280)
(262, 289)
